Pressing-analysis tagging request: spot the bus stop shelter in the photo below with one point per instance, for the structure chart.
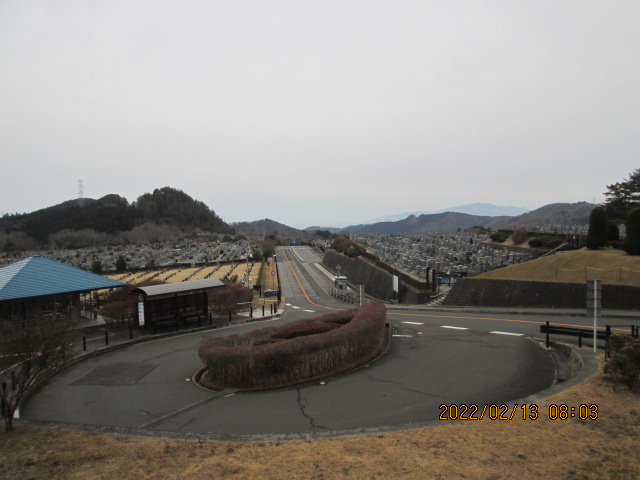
(174, 303)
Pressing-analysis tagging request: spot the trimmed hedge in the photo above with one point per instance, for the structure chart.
(295, 330)
(262, 359)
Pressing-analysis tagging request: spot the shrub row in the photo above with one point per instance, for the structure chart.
(545, 242)
(260, 359)
(499, 237)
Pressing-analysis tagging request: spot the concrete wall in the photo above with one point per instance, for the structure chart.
(377, 282)
(508, 293)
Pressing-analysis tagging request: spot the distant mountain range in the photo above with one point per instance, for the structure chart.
(260, 229)
(481, 209)
(553, 214)
(180, 214)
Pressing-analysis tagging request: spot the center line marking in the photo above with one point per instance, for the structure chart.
(413, 323)
(508, 333)
(454, 328)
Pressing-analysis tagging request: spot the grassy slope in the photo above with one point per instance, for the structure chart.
(594, 449)
(609, 265)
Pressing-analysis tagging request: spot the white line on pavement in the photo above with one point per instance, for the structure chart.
(508, 333)
(413, 323)
(454, 328)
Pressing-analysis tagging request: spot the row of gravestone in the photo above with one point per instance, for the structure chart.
(453, 253)
(139, 256)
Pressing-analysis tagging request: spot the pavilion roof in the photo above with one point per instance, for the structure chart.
(38, 276)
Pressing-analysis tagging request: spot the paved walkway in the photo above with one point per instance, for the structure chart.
(94, 336)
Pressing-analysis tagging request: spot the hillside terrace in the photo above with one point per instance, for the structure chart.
(141, 256)
(453, 252)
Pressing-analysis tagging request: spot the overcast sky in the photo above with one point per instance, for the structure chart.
(318, 112)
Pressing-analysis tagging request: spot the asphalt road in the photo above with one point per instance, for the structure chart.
(434, 359)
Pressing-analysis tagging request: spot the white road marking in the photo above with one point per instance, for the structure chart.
(413, 323)
(454, 328)
(310, 311)
(508, 333)
(293, 306)
(406, 336)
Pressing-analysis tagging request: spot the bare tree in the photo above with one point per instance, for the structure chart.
(31, 351)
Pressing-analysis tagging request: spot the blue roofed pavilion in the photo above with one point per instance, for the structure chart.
(38, 279)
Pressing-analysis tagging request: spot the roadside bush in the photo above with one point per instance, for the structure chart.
(254, 361)
(341, 244)
(227, 298)
(119, 305)
(625, 362)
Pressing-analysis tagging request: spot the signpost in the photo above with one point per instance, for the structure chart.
(594, 304)
(141, 314)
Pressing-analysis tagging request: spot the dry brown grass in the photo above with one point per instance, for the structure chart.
(605, 448)
(610, 265)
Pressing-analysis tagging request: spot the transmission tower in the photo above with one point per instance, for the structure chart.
(80, 194)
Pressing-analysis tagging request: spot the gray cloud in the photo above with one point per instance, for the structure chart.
(318, 112)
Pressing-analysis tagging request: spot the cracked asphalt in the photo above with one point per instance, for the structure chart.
(147, 387)
(138, 388)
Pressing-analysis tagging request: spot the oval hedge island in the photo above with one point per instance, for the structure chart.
(295, 353)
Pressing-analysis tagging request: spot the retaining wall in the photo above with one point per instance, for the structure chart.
(510, 293)
(377, 282)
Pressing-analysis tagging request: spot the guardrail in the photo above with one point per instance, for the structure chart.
(581, 332)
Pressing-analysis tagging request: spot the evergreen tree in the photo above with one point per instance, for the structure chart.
(613, 231)
(96, 266)
(623, 196)
(597, 234)
(632, 240)
(121, 263)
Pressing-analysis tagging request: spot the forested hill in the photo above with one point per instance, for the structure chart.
(113, 214)
(260, 229)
